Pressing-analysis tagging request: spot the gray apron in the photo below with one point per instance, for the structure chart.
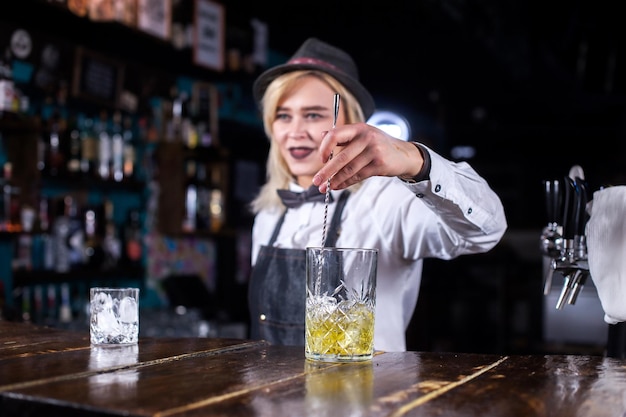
(277, 288)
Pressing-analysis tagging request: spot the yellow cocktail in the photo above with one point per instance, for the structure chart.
(340, 304)
(339, 332)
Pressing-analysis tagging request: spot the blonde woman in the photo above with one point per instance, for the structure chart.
(397, 196)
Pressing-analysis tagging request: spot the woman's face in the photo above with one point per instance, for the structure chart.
(301, 116)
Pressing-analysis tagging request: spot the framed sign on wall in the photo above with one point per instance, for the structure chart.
(155, 17)
(97, 78)
(209, 41)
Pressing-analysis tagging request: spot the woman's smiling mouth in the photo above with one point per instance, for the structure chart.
(300, 153)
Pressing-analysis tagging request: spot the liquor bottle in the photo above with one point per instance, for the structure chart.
(188, 130)
(89, 147)
(111, 244)
(203, 111)
(133, 246)
(7, 87)
(191, 197)
(60, 234)
(25, 242)
(216, 203)
(42, 152)
(191, 207)
(93, 253)
(65, 310)
(104, 147)
(74, 150)
(129, 149)
(51, 305)
(48, 251)
(24, 253)
(76, 237)
(117, 148)
(204, 199)
(55, 159)
(10, 208)
(174, 118)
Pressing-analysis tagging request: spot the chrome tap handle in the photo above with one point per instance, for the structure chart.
(565, 292)
(578, 283)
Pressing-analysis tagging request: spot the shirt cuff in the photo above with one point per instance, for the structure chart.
(424, 173)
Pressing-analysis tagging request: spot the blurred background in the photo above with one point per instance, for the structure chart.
(521, 90)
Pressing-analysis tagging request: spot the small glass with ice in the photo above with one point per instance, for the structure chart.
(340, 304)
(114, 316)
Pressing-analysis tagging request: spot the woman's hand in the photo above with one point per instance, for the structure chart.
(362, 151)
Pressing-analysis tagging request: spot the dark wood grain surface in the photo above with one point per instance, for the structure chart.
(46, 372)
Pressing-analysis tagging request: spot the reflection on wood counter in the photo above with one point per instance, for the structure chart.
(47, 372)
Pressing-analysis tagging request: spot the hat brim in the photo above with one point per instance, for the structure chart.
(365, 99)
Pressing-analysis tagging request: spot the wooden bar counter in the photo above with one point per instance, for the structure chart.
(51, 372)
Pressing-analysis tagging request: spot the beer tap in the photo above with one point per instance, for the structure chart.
(572, 262)
(580, 243)
(552, 233)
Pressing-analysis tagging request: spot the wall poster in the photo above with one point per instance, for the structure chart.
(155, 17)
(97, 77)
(209, 42)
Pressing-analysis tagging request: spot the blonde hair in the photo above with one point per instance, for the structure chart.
(277, 172)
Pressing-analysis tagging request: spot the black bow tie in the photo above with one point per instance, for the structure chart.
(293, 199)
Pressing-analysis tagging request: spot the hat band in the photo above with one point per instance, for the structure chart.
(313, 61)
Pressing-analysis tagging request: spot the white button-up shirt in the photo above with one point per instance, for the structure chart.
(453, 213)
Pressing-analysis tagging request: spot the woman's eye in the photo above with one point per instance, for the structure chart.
(282, 116)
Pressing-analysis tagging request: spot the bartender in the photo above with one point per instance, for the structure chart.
(400, 197)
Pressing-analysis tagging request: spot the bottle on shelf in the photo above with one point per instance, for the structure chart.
(203, 111)
(7, 87)
(42, 153)
(60, 236)
(93, 253)
(74, 151)
(217, 209)
(133, 245)
(24, 253)
(89, 147)
(25, 243)
(172, 117)
(76, 238)
(189, 130)
(46, 255)
(129, 153)
(9, 201)
(55, 160)
(111, 244)
(204, 199)
(191, 197)
(216, 202)
(65, 309)
(104, 147)
(117, 148)
(51, 305)
(67, 236)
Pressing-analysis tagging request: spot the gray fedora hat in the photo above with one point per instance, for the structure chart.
(318, 55)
